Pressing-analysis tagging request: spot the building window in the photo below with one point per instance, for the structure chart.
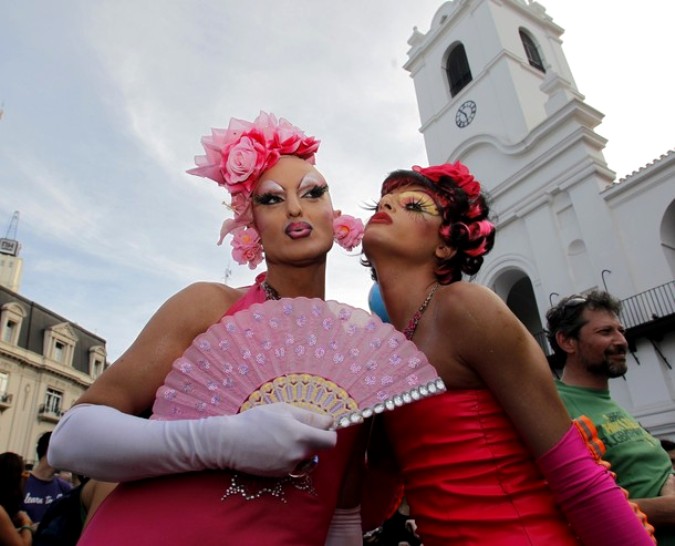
(59, 349)
(59, 343)
(53, 402)
(458, 71)
(11, 317)
(532, 51)
(4, 382)
(5, 397)
(97, 359)
(8, 331)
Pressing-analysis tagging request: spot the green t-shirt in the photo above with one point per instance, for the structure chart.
(641, 465)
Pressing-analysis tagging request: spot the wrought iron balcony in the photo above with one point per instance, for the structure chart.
(649, 307)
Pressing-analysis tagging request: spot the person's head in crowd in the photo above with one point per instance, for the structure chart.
(12, 477)
(585, 329)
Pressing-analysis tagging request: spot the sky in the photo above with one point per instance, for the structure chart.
(104, 104)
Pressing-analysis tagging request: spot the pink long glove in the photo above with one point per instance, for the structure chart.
(596, 507)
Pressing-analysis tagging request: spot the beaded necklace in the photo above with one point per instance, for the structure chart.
(270, 293)
(409, 331)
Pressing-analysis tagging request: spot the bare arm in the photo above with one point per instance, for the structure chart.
(488, 339)
(10, 535)
(659, 510)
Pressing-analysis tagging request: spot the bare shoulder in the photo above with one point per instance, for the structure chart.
(469, 302)
(477, 319)
(203, 299)
(191, 311)
(206, 291)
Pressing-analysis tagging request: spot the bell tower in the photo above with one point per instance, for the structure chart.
(494, 90)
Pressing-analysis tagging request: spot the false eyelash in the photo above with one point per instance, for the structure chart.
(321, 190)
(264, 198)
(418, 202)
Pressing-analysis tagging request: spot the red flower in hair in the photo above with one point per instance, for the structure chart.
(459, 173)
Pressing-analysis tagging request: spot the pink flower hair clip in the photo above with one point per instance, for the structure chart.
(235, 158)
(246, 247)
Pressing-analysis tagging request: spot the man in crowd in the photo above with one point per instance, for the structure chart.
(587, 336)
(42, 486)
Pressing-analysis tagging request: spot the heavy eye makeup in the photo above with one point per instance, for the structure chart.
(271, 192)
(417, 201)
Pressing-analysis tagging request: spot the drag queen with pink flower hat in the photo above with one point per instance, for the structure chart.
(227, 479)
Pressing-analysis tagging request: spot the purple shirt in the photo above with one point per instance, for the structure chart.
(39, 494)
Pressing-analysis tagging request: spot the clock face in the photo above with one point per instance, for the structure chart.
(465, 113)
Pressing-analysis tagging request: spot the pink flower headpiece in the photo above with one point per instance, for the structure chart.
(237, 156)
(459, 173)
(462, 177)
(235, 159)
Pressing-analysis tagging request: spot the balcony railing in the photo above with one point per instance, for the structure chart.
(649, 305)
(47, 413)
(5, 400)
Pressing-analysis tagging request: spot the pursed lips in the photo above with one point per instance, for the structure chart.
(380, 218)
(298, 230)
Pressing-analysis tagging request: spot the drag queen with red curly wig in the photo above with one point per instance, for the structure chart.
(225, 479)
(495, 460)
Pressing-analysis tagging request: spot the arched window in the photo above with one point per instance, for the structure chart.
(457, 68)
(531, 51)
(668, 236)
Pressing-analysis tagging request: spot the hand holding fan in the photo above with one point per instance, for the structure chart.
(320, 355)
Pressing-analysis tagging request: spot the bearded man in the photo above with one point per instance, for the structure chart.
(586, 334)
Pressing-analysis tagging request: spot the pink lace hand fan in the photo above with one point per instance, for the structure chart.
(320, 355)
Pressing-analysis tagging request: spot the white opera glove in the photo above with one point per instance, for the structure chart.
(104, 443)
(345, 528)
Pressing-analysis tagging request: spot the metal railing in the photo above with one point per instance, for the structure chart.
(649, 305)
(44, 409)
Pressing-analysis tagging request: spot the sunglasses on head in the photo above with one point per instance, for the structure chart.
(575, 301)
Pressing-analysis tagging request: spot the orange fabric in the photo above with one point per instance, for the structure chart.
(597, 448)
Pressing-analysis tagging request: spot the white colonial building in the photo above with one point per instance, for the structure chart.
(495, 91)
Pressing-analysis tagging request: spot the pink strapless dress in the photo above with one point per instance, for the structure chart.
(222, 507)
(469, 479)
